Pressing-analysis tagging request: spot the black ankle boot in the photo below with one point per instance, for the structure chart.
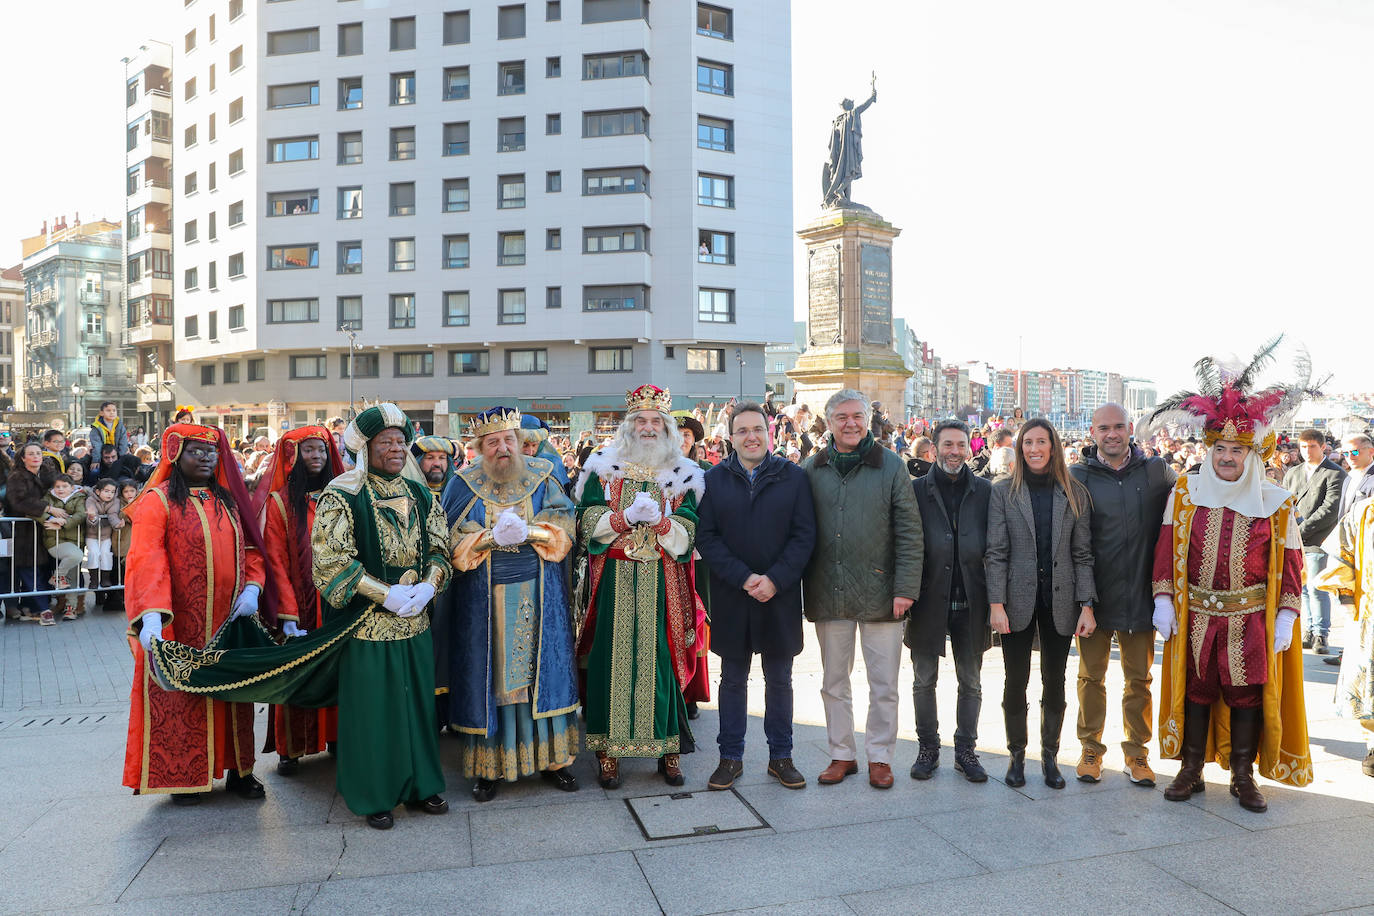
(1016, 770)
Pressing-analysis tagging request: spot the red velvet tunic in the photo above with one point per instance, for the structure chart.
(295, 730)
(189, 564)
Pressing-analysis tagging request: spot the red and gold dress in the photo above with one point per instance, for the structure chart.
(187, 563)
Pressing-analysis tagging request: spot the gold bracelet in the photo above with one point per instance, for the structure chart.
(372, 589)
(434, 575)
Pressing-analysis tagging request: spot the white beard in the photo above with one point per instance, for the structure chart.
(651, 453)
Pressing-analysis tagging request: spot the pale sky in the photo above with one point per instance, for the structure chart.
(1123, 184)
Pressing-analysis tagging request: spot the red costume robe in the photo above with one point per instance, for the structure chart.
(188, 563)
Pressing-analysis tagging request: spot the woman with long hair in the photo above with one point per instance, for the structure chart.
(1040, 580)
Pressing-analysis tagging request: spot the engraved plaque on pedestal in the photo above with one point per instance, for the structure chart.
(875, 294)
(823, 296)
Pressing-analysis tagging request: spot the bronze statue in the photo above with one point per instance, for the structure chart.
(846, 153)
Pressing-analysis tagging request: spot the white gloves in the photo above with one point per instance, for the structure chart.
(290, 629)
(509, 529)
(247, 603)
(419, 597)
(152, 629)
(644, 510)
(397, 597)
(1164, 616)
(1283, 629)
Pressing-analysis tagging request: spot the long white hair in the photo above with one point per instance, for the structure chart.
(664, 452)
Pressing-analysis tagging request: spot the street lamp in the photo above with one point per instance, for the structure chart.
(739, 358)
(76, 406)
(351, 333)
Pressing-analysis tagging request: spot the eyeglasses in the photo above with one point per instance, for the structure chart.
(1350, 451)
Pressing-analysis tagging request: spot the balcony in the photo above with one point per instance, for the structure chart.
(94, 297)
(42, 382)
(149, 286)
(151, 332)
(39, 339)
(153, 191)
(95, 338)
(149, 239)
(159, 100)
(45, 296)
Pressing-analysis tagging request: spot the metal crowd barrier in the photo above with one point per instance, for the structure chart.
(8, 525)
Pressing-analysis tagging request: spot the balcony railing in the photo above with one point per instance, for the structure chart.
(94, 297)
(46, 338)
(94, 338)
(42, 381)
(43, 296)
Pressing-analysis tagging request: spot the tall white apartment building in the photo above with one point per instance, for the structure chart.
(536, 204)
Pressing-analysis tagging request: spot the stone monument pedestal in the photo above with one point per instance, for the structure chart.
(849, 311)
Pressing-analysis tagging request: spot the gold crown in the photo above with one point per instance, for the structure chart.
(649, 397)
(495, 420)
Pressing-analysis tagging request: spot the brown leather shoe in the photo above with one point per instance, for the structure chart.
(837, 771)
(880, 775)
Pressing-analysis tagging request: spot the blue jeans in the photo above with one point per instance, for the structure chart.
(30, 578)
(1316, 604)
(734, 705)
(967, 650)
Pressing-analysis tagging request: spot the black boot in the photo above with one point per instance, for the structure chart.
(1245, 734)
(1196, 719)
(1051, 724)
(1015, 720)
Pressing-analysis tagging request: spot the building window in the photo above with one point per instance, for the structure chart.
(456, 196)
(231, 373)
(510, 135)
(510, 21)
(402, 143)
(351, 257)
(190, 89)
(511, 306)
(715, 78)
(365, 365)
(705, 359)
(350, 313)
(402, 198)
(715, 133)
(289, 95)
(414, 364)
(402, 314)
(456, 138)
(192, 279)
(510, 192)
(468, 362)
(350, 93)
(207, 374)
(553, 239)
(293, 149)
(293, 203)
(510, 78)
(614, 10)
(457, 28)
(293, 41)
(604, 239)
(553, 297)
(212, 77)
(527, 362)
(235, 9)
(292, 311)
(553, 11)
(553, 182)
(634, 180)
(189, 183)
(612, 359)
(257, 369)
(715, 190)
(511, 246)
(615, 298)
(235, 267)
(553, 67)
(192, 327)
(236, 59)
(210, 177)
(350, 39)
(403, 88)
(293, 257)
(457, 83)
(614, 66)
(305, 367)
(403, 34)
(402, 254)
(715, 247)
(618, 123)
(455, 252)
(189, 137)
(716, 305)
(236, 318)
(236, 213)
(457, 309)
(350, 203)
(351, 147)
(236, 162)
(212, 281)
(553, 124)
(714, 22)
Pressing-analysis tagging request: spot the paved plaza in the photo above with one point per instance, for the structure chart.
(73, 840)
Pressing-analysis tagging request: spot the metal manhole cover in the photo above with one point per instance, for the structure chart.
(687, 814)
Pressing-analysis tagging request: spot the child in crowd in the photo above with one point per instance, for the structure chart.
(102, 520)
(62, 537)
(123, 536)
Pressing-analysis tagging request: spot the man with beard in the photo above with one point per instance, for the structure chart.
(305, 460)
(513, 673)
(637, 502)
(195, 562)
(435, 454)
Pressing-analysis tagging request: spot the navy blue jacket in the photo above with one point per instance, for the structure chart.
(769, 528)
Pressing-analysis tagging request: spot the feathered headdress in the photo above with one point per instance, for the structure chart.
(1228, 407)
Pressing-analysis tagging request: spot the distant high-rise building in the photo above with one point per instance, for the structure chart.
(11, 320)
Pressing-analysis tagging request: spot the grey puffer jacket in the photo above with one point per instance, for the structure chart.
(869, 546)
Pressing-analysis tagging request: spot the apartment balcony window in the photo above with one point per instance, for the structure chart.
(510, 192)
(257, 369)
(402, 198)
(614, 10)
(350, 203)
(293, 41)
(403, 88)
(207, 374)
(457, 309)
(292, 311)
(715, 190)
(614, 66)
(468, 362)
(511, 246)
(527, 362)
(456, 252)
(212, 77)
(236, 213)
(627, 298)
(510, 21)
(616, 123)
(293, 149)
(236, 59)
(350, 39)
(351, 147)
(715, 247)
(457, 83)
(189, 183)
(235, 268)
(553, 182)
(716, 305)
(456, 196)
(456, 137)
(189, 232)
(511, 306)
(612, 359)
(293, 203)
(230, 373)
(714, 22)
(402, 254)
(705, 359)
(510, 78)
(403, 34)
(236, 162)
(191, 327)
(553, 67)
(402, 310)
(350, 93)
(236, 318)
(210, 124)
(235, 9)
(607, 239)
(402, 143)
(633, 180)
(190, 89)
(414, 364)
(510, 133)
(553, 11)
(189, 137)
(457, 27)
(351, 257)
(715, 78)
(293, 257)
(350, 312)
(291, 95)
(212, 276)
(364, 365)
(308, 367)
(716, 134)
(213, 324)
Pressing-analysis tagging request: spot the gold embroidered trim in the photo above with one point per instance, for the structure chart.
(1211, 547)
(384, 626)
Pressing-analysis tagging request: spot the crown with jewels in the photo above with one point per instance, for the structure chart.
(493, 420)
(649, 397)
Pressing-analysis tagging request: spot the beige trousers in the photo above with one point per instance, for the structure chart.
(881, 642)
(1137, 655)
